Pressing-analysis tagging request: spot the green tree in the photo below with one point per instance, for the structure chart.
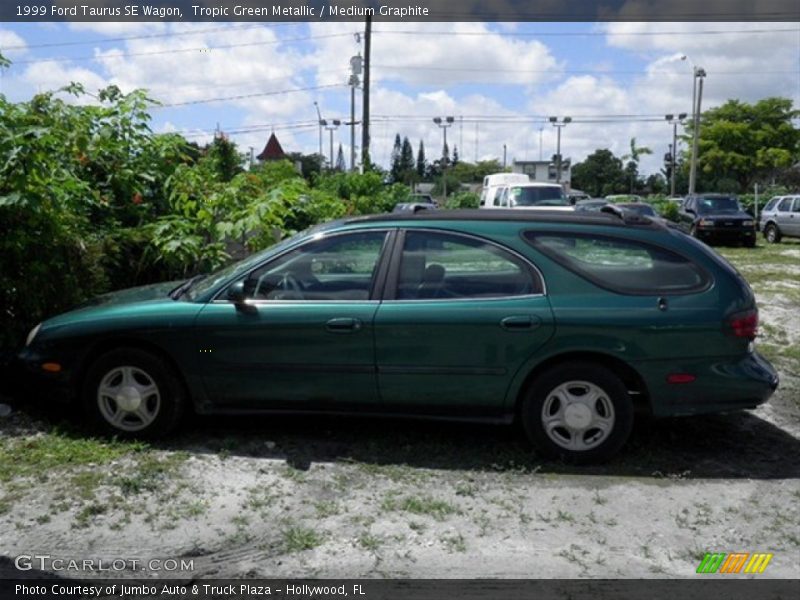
(633, 158)
(422, 163)
(341, 165)
(747, 143)
(225, 158)
(600, 174)
(395, 168)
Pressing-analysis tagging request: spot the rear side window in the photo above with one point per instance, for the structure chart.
(785, 205)
(771, 204)
(622, 265)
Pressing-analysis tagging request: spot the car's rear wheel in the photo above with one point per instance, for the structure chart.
(578, 412)
(772, 234)
(131, 393)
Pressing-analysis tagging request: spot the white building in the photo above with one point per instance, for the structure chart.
(544, 170)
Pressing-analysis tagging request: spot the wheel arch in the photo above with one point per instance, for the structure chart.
(118, 342)
(634, 382)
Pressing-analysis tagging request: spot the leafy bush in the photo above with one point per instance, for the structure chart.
(463, 200)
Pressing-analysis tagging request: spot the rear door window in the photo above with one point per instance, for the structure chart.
(622, 265)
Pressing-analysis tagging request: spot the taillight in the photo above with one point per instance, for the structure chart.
(744, 324)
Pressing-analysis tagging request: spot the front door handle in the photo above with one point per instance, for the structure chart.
(519, 322)
(343, 325)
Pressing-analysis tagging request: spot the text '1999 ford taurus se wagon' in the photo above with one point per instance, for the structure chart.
(567, 322)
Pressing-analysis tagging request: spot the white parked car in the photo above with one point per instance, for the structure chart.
(534, 195)
(493, 186)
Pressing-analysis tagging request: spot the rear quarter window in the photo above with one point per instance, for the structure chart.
(621, 265)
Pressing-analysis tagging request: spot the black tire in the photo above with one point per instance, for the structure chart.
(165, 407)
(614, 393)
(772, 234)
(749, 243)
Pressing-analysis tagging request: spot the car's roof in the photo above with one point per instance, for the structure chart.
(611, 218)
(534, 184)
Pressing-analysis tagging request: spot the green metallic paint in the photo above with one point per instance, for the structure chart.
(447, 357)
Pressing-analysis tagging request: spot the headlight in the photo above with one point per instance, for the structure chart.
(706, 223)
(32, 334)
(748, 223)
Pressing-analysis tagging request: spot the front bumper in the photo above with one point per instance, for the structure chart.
(726, 234)
(34, 382)
(721, 385)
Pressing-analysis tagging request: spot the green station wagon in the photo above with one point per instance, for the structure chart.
(566, 322)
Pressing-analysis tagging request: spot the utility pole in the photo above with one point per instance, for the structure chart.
(444, 124)
(673, 153)
(334, 124)
(541, 129)
(558, 125)
(365, 160)
(504, 157)
(321, 123)
(699, 75)
(355, 71)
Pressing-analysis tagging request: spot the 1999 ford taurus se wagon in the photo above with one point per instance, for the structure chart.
(566, 321)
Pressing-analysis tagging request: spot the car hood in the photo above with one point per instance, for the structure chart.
(155, 291)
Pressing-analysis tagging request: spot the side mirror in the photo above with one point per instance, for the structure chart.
(690, 211)
(236, 293)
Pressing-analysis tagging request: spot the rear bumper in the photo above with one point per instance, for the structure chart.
(720, 385)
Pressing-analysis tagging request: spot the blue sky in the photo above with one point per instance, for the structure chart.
(500, 81)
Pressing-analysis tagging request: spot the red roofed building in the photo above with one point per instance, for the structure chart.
(272, 151)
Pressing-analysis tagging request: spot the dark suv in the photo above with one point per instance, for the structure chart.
(717, 218)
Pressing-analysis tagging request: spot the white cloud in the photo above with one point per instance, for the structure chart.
(438, 54)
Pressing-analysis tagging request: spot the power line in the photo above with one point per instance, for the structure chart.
(245, 96)
(112, 40)
(588, 33)
(570, 71)
(178, 50)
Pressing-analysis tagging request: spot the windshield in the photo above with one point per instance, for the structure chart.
(213, 279)
(708, 205)
(538, 196)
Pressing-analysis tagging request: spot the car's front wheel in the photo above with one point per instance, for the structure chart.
(578, 412)
(772, 234)
(131, 393)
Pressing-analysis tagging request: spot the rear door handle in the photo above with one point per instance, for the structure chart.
(519, 322)
(343, 325)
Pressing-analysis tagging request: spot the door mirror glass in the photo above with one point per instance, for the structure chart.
(236, 292)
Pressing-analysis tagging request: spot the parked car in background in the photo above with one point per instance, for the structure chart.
(576, 196)
(617, 198)
(592, 204)
(415, 203)
(717, 218)
(642, 209)
(565, 321)
(413, 207)
(494, 184)
(420, 198)
(781, 218)
(535, 196)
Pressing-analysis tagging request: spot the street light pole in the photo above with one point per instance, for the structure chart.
(558, 125)
(444, 123)
(334, 124)
(674, 151)
(321, 122)
(699, 74)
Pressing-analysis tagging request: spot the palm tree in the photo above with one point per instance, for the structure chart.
(633, 165)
